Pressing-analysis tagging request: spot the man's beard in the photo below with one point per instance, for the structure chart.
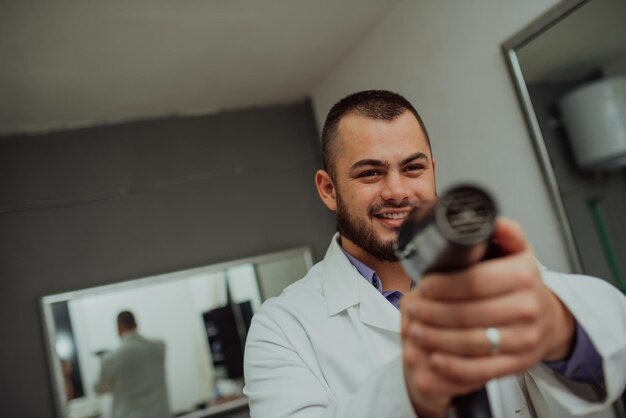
(363, 235)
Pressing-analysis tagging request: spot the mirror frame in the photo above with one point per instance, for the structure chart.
(49, 330)
(509, 48)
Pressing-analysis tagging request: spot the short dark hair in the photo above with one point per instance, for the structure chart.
(127, 319)
(374, 104)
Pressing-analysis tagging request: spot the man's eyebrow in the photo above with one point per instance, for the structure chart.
(416, 156)
(369, 162)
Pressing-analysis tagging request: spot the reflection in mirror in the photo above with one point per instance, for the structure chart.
(569, 68)
(200, 316)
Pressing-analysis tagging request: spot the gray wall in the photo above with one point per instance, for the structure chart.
(99, 205)
(577, 186)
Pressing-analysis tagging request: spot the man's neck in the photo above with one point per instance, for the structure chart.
(391, 273)
(128, 332)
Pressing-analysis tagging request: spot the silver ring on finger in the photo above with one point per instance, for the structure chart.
(494, 337)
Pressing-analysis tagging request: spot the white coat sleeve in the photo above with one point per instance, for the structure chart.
(601, 310)
(283, 382)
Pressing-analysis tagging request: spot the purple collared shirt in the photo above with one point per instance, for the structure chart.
(583, 364)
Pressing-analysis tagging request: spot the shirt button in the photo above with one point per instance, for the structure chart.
(375, 283)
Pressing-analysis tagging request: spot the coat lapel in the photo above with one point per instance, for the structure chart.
(377, 311)
(340, 280)
(345, 287)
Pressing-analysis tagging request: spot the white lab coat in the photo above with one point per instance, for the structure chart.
(135, 374)
(329, 346)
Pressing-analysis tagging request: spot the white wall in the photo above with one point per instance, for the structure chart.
(445, 57)
(243, 286)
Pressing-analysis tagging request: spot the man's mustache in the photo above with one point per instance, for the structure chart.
(405, 204)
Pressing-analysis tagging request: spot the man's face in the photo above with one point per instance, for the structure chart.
(382, 171)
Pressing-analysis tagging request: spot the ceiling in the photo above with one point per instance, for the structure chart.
(591, 38)
(79, 63)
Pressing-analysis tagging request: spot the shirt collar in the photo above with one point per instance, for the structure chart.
(393, 296)
(364, 270)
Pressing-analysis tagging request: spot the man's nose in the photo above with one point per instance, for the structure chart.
(394, 187)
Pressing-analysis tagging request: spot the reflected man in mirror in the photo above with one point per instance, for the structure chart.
(135, 374)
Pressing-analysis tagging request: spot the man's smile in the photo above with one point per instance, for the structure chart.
(392, 218)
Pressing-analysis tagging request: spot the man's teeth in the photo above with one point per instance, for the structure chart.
(392, 215)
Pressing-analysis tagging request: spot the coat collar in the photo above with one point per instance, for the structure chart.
(344, 287)
(129, 335)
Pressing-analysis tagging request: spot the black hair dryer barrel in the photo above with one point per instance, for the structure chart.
(450, 234)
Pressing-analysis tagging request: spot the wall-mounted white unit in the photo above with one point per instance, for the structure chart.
(595, 119)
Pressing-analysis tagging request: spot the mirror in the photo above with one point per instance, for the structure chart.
(203, 359)
(578, 45)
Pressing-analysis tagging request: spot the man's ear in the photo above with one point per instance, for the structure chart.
(435, 174)
(326, 189)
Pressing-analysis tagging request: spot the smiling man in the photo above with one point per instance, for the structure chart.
(337, 342)
(381, 190)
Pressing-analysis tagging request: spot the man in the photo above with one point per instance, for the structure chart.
(135, 374)
(335, 343)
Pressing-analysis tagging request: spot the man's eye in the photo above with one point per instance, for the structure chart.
(414, 167)
(369, 173)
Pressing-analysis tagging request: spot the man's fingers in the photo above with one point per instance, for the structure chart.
(507, 309)
(428, 383)
(516, 269)
(478, 370)
(483, 280)
(425, 380)
(510, 236)
(473, 341)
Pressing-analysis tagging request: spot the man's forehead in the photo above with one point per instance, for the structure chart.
(359, 135)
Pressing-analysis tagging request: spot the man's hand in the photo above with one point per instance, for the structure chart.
(445, 349)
